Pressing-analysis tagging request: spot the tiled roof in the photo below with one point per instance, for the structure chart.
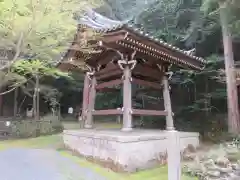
(103, 24)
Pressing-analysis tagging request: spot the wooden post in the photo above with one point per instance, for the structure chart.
(91, 104)
(127, 100)
(83, 115)
(174, 156)
(119, 116)
(167, 104)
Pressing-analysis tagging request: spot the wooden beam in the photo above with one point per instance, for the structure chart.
(107, 112)
(145, 112)
(107, 69)
(108, 75)
(146, 83)
(109, 84)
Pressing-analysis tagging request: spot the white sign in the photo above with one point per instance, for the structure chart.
(29, 112)
(70, 110)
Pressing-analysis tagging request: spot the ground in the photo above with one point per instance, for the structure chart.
(44, 158)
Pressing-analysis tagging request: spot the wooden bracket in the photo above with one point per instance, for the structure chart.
(122, 62)
(98, 67)
(91, 72)
(170, 74)
(159, 67)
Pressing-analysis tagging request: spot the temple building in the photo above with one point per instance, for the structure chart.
(125, 55)
(122, 56)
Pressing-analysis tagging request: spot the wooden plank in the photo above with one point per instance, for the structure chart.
(146, 83)
(145, 112)
(106, 58)
(108, 75)
(107, 112)
(147, 72)
(109, 84)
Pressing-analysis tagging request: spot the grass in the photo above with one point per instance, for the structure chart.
(55, 141)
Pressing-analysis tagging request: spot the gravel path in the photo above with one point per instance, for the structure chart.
(41, 164)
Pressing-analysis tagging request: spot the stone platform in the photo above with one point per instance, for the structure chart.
(125, 151)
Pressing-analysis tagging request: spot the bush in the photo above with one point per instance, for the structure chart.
(56, 124)
(29, 128)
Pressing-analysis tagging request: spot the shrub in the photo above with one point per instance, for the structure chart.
(29, 128)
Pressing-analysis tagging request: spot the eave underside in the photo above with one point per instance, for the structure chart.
(123, 43)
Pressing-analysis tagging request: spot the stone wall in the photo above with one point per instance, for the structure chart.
(128, 151)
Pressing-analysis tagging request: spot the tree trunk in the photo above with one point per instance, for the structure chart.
(34, 109)
(1, 102)
(37, 98)
(233, 112)
(15, 108)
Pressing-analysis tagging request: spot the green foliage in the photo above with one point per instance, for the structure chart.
(11, 79)
(33, 68)
(47, 26)
(42, 30)
(211, 8)
(37, 67)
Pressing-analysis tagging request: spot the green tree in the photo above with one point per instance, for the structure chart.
(43, 30)
(227, 12)
(38, 29)
(34, 70)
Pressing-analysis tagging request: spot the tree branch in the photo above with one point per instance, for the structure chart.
(8, 91)
(18, 85)
(18, 51)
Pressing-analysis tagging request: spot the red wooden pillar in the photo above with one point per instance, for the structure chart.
(91, 104)
(85, 98)
(167, 104)
(127, 100)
